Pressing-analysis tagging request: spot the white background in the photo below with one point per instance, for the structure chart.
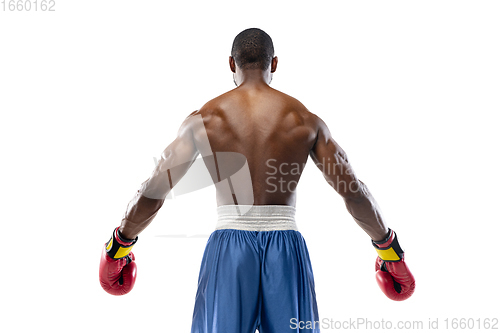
(90, 93)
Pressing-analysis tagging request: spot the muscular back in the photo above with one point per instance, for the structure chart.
(273, 131)
(255, 143)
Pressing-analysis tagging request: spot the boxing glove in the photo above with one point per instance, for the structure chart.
(391, 272)
(118, 271)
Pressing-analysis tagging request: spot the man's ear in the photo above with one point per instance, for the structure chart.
(274, 64)
(232, 64)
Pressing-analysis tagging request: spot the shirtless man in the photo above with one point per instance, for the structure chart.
(255, 272)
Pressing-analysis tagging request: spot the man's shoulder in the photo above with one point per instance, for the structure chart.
(214, 105)
(297, 106)
(209, 107)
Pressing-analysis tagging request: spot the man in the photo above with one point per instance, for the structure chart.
(255, 141)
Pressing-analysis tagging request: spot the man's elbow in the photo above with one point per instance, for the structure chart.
(353, 191)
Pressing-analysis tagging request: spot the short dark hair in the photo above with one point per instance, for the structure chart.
(253, 49)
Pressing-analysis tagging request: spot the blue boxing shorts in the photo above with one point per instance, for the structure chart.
(255, 274)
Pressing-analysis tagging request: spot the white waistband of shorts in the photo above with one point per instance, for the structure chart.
(256, 218)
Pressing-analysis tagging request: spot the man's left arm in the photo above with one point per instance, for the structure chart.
(117, 270)
(175, 161)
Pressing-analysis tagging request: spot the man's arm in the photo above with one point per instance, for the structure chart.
(332, 161)
(392, 274)
(117, 269)
(175, 161)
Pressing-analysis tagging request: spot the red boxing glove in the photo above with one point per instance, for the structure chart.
(117, 271)
(392, 273)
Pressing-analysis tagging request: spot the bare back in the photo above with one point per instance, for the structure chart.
(273, 131)
(268, 137)
(271, 135)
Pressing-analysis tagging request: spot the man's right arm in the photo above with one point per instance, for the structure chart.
(331, 159)
(392, 274)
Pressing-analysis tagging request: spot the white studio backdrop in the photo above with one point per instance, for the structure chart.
(92, 92)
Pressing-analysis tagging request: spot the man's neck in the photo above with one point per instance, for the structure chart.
(254, 78)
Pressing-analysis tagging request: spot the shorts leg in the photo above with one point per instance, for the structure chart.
(227, 299)
(287, 284)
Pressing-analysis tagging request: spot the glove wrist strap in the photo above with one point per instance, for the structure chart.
(118, 246)
(389, 249)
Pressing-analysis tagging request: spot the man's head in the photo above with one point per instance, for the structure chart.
(252, 49)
